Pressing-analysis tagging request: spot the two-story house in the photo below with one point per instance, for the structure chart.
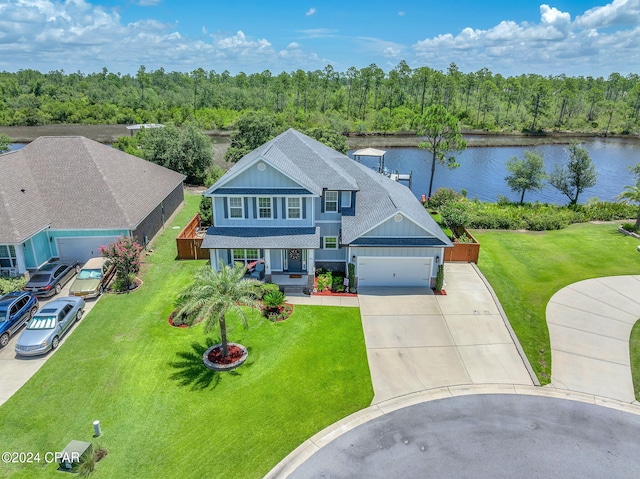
(299, 205)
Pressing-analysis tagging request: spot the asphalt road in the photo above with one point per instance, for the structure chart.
(486, 436)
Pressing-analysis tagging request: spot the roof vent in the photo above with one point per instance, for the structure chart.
(398, 218)
(261, 166)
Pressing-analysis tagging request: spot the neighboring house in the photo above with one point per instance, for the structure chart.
(63, 197)
(299, 205)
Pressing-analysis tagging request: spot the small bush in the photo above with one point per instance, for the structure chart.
(443, 196)
(266, 288)
(325, 281)
(273, 300)
(455, 215)
(7, 285)
(440, 278)
(631, 227)
(351, 274)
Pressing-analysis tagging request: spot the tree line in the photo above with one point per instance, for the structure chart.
(358, 100)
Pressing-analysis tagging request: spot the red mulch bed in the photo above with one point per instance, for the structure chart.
(287, 308)
(328, 292)
(331, 293)
(442, 292)
(235, 354)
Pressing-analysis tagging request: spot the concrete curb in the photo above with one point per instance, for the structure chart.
(299, 455)
(514, 338)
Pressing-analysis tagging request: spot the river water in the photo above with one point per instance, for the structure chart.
(482, 169)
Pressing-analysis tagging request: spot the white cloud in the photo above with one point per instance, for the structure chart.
(310, 12)
(319, 32)
(76, 35)
(617, 13)
(546, 46)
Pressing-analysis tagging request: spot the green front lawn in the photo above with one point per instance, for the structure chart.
(527, 269)
(162, 413)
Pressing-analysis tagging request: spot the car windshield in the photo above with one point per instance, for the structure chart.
(89, 274)
(3, 316)
(42, 322)
(40, 278)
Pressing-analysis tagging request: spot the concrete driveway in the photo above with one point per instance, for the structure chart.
(416, 340)
(590, 324)
(16, 371)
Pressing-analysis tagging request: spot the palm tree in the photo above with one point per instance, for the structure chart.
(214, 293)
(631, 194)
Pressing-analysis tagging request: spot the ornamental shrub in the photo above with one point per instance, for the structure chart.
(125, 256)
(443, 196)
(7, 285)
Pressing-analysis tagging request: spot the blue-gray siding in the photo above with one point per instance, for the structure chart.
(403, 228)
(250, 208)
(254, 178)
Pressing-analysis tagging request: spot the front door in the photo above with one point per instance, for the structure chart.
(294, 260)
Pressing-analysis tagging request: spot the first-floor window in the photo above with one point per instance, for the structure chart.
(7, 256)
(235, 207)
(330, 242)
(245, 255)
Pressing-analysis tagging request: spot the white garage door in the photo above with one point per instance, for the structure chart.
(373, 271)
(81, 249)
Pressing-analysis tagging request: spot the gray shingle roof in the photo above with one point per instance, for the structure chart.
(77, 183)
(426, 241)
(230, 237)
(304, 159)
(262, 191)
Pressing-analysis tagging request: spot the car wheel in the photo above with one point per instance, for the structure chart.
(77, 268)
(58, 288)
(4, 340)
(79, 315)
(100, 290)
(54, 342)
(33, 312)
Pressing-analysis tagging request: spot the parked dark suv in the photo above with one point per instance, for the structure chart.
(15, 310)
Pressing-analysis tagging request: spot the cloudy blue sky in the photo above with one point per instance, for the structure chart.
(508, 37)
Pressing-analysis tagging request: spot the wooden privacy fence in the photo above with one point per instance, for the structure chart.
(465, 252)
(189, 241)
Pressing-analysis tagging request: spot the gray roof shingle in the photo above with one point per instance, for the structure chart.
(77, 183)
(232, 237)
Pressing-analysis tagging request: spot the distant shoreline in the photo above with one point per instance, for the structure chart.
(109, 133)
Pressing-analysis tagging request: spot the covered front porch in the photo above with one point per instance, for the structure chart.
(287, 253)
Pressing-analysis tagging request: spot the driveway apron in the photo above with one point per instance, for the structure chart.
(417, 340)
(589, 325)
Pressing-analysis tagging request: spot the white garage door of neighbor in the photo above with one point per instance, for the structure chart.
(373, 271)
(81, 249)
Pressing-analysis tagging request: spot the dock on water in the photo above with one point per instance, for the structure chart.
(382, 169)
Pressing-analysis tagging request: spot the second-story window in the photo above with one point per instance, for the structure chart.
(264, 208)
(235, 207)
(331, 201)
(294, 208)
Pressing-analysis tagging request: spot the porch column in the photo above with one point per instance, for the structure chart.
(213, 258)
(311, 265)
(267, 261)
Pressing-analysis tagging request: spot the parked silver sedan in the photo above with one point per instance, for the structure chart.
(46, 328)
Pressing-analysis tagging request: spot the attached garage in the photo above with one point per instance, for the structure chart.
(82, 248)
(400, 271)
